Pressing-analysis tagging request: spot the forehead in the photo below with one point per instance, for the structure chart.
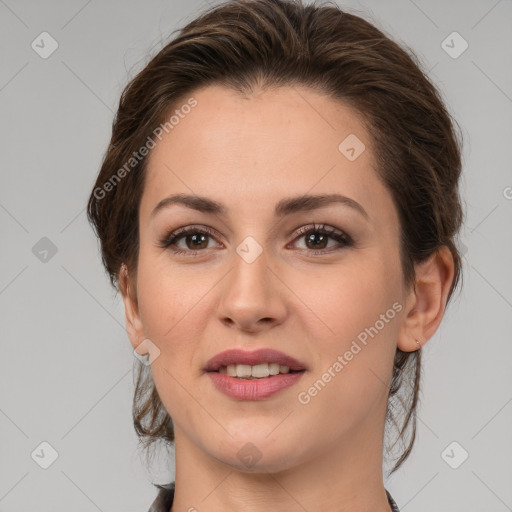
(251, 150)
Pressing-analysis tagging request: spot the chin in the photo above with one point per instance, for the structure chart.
(257, 455)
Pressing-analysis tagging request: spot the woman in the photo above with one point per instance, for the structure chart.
(278, 207)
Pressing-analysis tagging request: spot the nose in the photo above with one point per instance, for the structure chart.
(252, 296)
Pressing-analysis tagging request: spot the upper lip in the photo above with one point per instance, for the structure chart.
(262, 355)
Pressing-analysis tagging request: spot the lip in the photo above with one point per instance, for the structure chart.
(257, 389)
(253, 357)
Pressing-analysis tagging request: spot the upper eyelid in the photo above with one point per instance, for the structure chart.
(300, 230)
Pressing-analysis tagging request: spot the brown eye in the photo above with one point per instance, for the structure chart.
(196, 239)
(317, 238)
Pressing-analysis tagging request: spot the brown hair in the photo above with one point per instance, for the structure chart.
(242, 44)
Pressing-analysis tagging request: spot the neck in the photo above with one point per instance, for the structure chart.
(345, 476)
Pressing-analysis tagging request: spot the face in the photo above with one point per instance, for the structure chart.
(323, 285)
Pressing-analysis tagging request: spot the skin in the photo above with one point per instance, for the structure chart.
(248, 153)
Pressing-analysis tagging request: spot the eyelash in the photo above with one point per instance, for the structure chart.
(333, 233)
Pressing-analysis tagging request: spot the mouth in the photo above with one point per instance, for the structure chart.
(260, 376)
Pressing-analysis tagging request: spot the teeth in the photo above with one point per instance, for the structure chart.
(230, 370)
(258, 371)
(243, 370)
(274, 368)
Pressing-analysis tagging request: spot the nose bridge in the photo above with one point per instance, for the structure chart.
(250, 293)
(249, 278)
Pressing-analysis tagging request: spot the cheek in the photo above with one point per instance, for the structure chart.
(166, 296)
(355, 355)
(360, 313)
(174, 308)
(170, 308)
(352, 298)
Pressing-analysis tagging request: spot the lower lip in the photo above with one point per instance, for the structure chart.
(255, 389)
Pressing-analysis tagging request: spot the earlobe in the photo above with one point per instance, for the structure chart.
(426, 301)
(134, 326)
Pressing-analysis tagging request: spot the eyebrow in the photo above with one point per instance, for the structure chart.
(284, 207)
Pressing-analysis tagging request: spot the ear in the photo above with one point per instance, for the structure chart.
(426, 302)
(134, 326)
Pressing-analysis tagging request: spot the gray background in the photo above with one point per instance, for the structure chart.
(66, 363)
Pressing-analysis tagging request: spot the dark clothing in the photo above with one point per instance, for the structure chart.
(164, 499)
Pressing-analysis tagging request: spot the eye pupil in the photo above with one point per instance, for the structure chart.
(322, 237)
(195, 238)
